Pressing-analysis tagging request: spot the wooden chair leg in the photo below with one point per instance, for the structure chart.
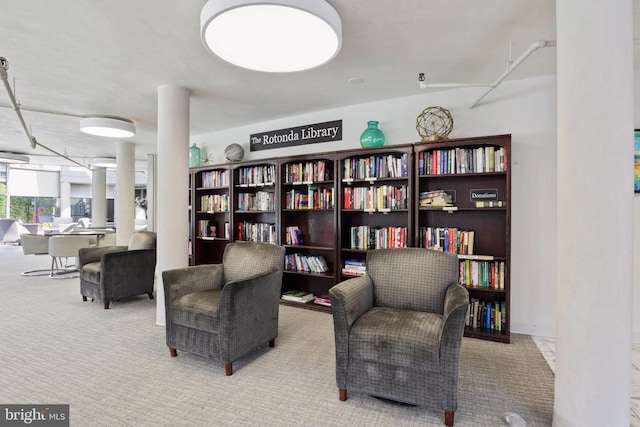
(106, 305)
(448, 418)
(173, 352)
(228, 369)
(272, 343)
(84, 298)
(343, 394)
(150, 295)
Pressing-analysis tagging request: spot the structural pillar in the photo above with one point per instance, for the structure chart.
(99, 197)
(125, 191)
(172, 213)
(595, 213)
(65, 199)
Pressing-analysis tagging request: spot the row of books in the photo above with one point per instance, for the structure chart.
(488, 316)
(354, 267)
(214, 203)
(256, 175)
(482, 274)
(305, 263)
(462, 160)
(389, 166)
(209, 229)
(305, 297)
(215, 179)
(448, 239)
(309, 172)
(293, 235)
(259, 201)
(371, 237)
(315, 198)
(384, 197)
(257, 232)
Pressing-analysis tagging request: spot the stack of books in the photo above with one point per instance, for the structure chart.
(354, 267)
(322, 301)
(298, 296)
(435, 198)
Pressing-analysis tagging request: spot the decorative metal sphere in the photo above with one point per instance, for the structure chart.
(434, 123)
(234, 152)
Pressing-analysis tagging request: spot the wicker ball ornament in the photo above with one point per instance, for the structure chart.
(434, 124)
(234, 152)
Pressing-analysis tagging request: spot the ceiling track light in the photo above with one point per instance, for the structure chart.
(272, 36)
(109, 127)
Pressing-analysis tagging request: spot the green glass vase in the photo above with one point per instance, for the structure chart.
(372, 136)
(194, 156)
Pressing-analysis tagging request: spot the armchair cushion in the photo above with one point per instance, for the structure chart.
(198, 310)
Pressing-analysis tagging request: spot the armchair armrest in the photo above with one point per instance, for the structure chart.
(455, 297)
(94, 253)
(456, 302)
(248, 313)
(351, 299)
(181, 281)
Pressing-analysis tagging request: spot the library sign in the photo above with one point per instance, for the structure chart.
(299, 135)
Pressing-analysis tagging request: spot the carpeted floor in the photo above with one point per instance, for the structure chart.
(113, 368)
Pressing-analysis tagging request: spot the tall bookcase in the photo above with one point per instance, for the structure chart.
(375, 203)
(211, 205)
(308, 225)
(336, 206)
(476, 224)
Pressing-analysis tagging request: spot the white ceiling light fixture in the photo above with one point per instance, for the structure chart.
(104, 162)
(274, 36)
(13, 158)
(110, 127)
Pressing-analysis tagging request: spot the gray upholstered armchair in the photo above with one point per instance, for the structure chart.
(224, 311)
(399, 328)
(110, 273)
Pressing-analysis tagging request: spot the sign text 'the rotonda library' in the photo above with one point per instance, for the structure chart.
(299, 135)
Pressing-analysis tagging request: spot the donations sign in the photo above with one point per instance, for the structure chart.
(299, 135)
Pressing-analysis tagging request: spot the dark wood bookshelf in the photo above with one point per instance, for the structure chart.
(326, 230)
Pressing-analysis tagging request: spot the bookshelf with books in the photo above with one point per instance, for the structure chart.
(255, 198)
(308, 227)
(211, 204)
(462, 205)
(375, 202)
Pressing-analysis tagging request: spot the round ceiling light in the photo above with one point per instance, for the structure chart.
(104, 162)
(273, 36)
(110, 127)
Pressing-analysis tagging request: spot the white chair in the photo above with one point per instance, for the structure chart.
(35, 244)
(65, 247)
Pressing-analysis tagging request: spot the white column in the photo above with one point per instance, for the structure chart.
(65, 199)
(595, 213)
(125, 191)
(173, 184)
(98, 197)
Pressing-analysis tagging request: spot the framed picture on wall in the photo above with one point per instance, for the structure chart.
(636, 161)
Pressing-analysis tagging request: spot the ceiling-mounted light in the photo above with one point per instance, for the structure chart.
(13, 158)
(111, 127)
(274, 36)
(104, 162)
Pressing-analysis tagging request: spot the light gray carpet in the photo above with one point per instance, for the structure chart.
(114, 369)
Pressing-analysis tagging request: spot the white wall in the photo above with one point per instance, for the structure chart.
(527, 110)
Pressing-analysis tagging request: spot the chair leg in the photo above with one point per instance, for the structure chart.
(448, 418)
(150, 295)
(173, 352)
(343, 394)
(84, 298)
(228, 369)
(106, 305)
(272, 343)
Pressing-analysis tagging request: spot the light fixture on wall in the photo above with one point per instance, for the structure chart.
(13, 158)
(104, 162)
(111, 127)
(274, 36)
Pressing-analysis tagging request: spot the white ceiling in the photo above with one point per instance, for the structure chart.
(70, 58)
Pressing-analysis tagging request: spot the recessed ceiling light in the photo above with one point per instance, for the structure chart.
(356, 80)
(273, 36)
(110, 127)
